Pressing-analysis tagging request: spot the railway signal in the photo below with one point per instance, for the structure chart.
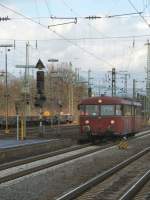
(40, 98)
(40, 82)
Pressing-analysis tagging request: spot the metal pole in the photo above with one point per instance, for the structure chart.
(6, 85)
(134, 88)
(40, 117)
(148, 79)
(89, 84)
(41, 124)
(113, 82)
(22, 126)
(6, 92)
(26, 86)
(17, 127)
(99, 88)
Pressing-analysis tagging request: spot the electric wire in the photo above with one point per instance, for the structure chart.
(76, 13)
(84, 38)
(58, 34)
(146, 22)
(114, 6)
(37, 10)
(48, 8)
(116, 16)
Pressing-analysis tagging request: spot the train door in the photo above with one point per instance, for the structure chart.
(127, 112)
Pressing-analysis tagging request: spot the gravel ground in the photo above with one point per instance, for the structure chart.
(115, 186)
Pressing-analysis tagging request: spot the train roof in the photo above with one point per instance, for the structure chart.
(109, 100)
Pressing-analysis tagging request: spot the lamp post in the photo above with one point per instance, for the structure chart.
(6, 46)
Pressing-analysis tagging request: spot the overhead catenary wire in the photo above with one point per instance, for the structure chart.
(58, 34)
(76, 13)
(116, 16)
(84, 38)
(146, 22)
(48, 8)
(37, 10)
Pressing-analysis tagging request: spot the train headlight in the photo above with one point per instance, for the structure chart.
(86, 121)
(99, 101)
(112, 122)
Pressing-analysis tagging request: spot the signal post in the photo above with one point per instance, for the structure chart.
(40, 97)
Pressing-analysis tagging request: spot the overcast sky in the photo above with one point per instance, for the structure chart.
(89, 44)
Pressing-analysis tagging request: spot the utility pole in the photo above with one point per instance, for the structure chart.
(125, 75)
(26, 84)
(77, 77)
(89, 83)
(148, 79)
(71, 89)
(26, 88)
(134, 89)
(113, 83)
(6, 46)
(99, 88)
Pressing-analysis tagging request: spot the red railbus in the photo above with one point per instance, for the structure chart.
(109, 116)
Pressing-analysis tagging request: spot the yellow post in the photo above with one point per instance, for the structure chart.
(123, 144)
(22, 127)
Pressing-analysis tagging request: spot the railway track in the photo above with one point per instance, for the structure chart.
(54, 184)
(22, 167)
(40, 156)
(112, 183)
(16, 169)
(58, 152)
(140, 189)
(144, 192)
(47, 127)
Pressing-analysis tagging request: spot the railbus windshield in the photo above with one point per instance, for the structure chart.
(107, 110)
(101, 110)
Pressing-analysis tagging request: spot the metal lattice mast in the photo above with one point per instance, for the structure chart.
(113, 82)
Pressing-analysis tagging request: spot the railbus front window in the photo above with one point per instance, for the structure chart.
(92, 110)
(107, 110)
(82, 109)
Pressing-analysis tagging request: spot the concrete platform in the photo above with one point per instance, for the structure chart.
(9, 143)
(11, 149)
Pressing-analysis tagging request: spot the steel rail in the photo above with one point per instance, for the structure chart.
(136, 187)
(54, 153)
(41, 156)
(101, 177)
(49, 164)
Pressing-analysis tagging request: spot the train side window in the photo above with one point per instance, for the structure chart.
(118, 110)
(107, 110)
(133, 110)
(127, 110)
(137, 111)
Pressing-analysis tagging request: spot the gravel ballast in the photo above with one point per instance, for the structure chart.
(50, 183)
